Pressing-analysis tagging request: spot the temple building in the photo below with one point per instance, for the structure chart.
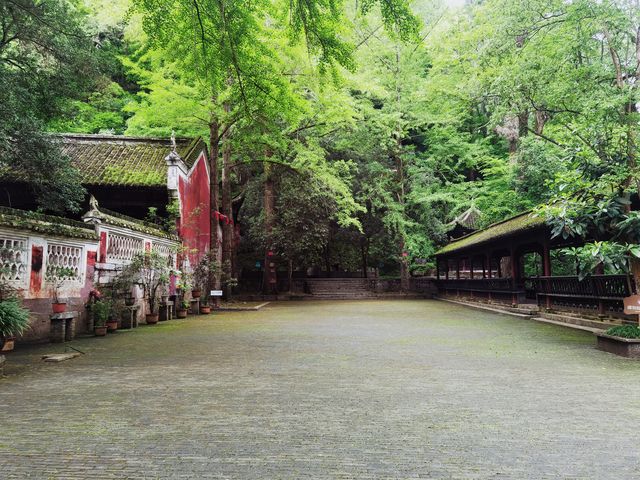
(125, 177)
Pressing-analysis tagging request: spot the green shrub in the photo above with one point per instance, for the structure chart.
(14, 318)
(624, 331)
(101, 310)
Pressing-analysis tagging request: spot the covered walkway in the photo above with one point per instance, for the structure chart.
(511, 262)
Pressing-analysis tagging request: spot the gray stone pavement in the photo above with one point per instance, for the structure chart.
(368, 389)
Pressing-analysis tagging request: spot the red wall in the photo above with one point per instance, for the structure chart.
(195, 210)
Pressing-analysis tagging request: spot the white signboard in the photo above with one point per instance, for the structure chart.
(216, 293)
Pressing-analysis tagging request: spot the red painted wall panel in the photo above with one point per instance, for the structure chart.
(195, 207)
(35, 281)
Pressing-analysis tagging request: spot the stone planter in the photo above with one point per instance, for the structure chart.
(152, 319)
(181, 313)
(625, 347)
(112, 326)
(205, 310)
(100, 331)
(195, 293)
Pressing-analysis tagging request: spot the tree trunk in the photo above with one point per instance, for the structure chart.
(364, 251)
(404, 268)
(290, 275)
(227, 209)
(215, 233)
(270, 275)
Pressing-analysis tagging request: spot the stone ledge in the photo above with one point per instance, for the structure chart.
(625, 347)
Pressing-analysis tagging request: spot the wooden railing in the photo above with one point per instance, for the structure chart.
(479, 285)
(604, 287)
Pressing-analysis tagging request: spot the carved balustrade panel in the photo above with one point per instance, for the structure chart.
(122, 248)
(13, 259)
(65, 256)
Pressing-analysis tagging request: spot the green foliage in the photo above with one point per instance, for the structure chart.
(14, 318)
(101, 310)
(151, 272)
(45, 58)
(624, 331)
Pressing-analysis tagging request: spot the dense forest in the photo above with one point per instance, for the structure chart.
(348, 134)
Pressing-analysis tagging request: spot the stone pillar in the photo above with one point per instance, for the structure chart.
(57, 331)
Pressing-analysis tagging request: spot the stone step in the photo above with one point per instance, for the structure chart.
(573, 319)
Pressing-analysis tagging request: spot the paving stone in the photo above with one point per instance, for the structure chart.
(340, 390)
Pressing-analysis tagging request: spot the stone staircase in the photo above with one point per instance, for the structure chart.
(339, 288)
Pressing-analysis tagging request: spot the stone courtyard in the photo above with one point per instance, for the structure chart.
(354, 389)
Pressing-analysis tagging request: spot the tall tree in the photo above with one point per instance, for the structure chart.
(46, 56)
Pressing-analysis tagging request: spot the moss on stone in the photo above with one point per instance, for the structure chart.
(45, 224)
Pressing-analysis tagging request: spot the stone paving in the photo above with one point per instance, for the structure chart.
(340, 390)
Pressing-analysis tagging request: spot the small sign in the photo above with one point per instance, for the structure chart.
(632, 305)
(216, 293)
(258, 264)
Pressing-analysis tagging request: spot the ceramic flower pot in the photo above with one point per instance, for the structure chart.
(100, 331)
(59, 307)
(7, 344)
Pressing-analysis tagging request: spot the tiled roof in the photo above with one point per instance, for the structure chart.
(516, 225)
(470, 218)
(122, 160)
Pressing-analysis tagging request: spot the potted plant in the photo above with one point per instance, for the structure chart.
(181, 311)
(100, 310)
(151, 272)
(112, 320)
(205, 308)
(56, 276)
(14, 320)
(202, 273)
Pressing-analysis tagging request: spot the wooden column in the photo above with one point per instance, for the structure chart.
(546, 267)
(601, 308)
(471, 268)
(457, 276)
(437, 269)
(546, 259)
(515, 274)
(488, 260)
(446, 272)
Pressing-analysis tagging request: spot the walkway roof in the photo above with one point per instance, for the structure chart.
(522, 223)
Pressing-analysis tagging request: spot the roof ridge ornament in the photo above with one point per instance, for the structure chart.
(173, 156)
(94, 215)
